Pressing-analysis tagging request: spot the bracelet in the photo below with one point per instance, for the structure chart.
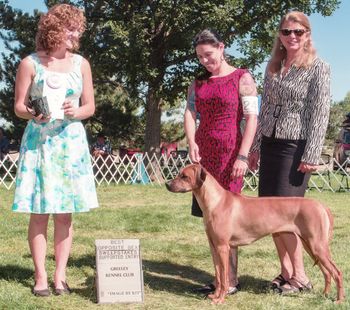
(243, 158)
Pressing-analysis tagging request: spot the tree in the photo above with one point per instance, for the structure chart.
(145, 45)
(116, 112)
(116, 115)
(21, 30)
(337, 115)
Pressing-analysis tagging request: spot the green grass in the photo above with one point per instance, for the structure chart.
(175, 255)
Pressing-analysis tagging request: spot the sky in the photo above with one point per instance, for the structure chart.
(330, 37)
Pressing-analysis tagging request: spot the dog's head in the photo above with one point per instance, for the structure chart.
(190, 178)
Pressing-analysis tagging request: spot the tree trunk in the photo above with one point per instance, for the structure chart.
(152, 136)
(152, 132)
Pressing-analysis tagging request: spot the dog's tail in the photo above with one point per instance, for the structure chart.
(330, 235)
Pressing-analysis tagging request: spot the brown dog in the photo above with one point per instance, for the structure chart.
(232, 220)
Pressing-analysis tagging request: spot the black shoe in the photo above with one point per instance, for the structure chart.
(41, 293)
(63, 291)
(206, 289)
(210, 288)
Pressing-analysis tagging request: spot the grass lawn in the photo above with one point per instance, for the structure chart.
(175, 255)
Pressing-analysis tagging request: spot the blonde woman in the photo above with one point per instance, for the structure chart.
(291, 130)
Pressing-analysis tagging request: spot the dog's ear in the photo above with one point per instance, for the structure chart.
(201, 175)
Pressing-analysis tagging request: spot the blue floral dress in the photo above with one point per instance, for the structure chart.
(54, 172)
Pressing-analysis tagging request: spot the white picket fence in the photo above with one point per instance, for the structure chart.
(144, 169)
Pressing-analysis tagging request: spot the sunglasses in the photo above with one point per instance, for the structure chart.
(297, 32)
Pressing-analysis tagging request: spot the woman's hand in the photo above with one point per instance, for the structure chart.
(194, 152)
(69, 110)
(239, 169)
(40, 119)
(307, 168)
(253, 160)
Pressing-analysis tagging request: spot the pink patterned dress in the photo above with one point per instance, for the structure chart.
(219, 136)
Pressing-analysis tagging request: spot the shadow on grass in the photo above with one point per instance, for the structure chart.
(89, 289)
(158, 275)
(17, 274)
(254, 285)
(181, 280)
(173, 278)
(81, 261)
(168, 277)
(25, 276)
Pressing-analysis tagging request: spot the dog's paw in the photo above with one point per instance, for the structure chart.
(218, 301)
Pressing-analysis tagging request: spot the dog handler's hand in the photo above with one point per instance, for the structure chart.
(194, 153)
(239, 169)
(306, 168)
(253, 161)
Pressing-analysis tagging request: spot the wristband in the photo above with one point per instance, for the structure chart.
(243, 158)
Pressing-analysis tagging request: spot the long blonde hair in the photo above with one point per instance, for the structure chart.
(279, 52)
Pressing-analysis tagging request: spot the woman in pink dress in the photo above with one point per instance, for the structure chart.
(220, 99)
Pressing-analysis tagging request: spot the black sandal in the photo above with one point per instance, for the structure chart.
(205, 289)
(301, 288)
(210, 288)
(277, 282)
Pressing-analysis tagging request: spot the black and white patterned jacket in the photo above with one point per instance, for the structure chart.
(296, 107)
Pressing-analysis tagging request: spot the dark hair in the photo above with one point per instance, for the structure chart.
(207, 36)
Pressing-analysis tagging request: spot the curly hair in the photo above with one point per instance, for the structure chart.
(279, 53)
(52, 26)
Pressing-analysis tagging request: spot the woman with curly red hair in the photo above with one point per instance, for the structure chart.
(54, 174)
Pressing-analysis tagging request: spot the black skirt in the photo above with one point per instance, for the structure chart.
(196, 210)
(279, 161)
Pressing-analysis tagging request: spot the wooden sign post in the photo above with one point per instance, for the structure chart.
(119, 277)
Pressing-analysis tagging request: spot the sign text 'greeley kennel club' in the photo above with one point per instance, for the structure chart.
(119, 271)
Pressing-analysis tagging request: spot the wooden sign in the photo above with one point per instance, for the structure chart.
(119, 277)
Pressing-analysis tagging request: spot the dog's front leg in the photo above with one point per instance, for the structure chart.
(222, 273)
(216, 267)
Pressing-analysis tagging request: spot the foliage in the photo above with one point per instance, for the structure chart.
(338, 112)
(116, 111)
(172, 131)
(172, 128)
(145, 46)
(117, 116)
(20, 42)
